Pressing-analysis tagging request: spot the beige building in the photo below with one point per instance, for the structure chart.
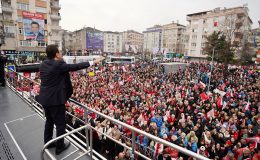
(254, 39)
(67, 41)
(79, 41)
(132, 39)
(30, 25)
(234, 22)
(153, 39)
(112, 42)
(174, 38)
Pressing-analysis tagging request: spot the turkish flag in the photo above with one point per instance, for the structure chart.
(204, 96)
(219, 102)
(215, 24)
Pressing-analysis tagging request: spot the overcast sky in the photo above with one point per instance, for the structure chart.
(120, 15)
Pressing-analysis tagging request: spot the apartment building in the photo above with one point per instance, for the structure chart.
(254, 39)
(153, 39)
(87, 39)
(132, 39)
(29, 25)
(234, 22)
(174, 37)
(67, 41)
(112, 42)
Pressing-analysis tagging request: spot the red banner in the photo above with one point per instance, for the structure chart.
(32, 15)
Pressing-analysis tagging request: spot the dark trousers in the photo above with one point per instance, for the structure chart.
(55, 115)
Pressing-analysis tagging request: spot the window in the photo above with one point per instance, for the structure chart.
(9, 29)
(192, 51)
(204, 36)
(42, 44)
(203, 44)
(205, 30)
(193, 44)
(194, 37)
(20, 19)
(25, 43)
(23, 6)
(21, 30)
(41, 10)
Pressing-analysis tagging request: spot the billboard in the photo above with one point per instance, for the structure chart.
(95, 41)
(33, 24)
(131, 48)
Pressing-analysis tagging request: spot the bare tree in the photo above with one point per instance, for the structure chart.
(232, 27)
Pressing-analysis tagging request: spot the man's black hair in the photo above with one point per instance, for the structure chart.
(51, 51)
(35, 23)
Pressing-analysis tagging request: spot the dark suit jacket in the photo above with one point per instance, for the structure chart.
(56, 86)
(40, 37)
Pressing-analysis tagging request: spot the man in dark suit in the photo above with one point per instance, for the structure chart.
(35, 34)
(55, 90)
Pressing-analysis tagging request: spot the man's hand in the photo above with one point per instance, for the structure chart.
(97, 61)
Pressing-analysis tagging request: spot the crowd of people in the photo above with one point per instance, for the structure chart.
(217, 117)
(218, 121)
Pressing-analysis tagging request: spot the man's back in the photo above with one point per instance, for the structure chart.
(56, 86)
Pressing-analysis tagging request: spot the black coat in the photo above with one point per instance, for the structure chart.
(56, 87)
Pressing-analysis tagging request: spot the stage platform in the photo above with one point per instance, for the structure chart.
(21, 131)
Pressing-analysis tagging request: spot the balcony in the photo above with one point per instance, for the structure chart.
(55, 6)
(7, 8)
(56, 28)
(9, 35)
(55, 17)
(56, 38)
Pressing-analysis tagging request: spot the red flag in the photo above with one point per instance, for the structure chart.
(252, 146)
(215, 24)
(204, 96)
(219, 102)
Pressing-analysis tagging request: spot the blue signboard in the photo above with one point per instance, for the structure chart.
(95, 41)
(11, 68)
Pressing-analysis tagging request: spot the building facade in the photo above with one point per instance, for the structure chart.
(132, 39)
(255, 41)
(112, 42)
(234, 22)
(86, 40)
(67, 41)
(152, 39)
(174, 38)
(29, 25)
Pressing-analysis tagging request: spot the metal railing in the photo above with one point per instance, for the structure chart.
(14, 79)
(64, 135)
